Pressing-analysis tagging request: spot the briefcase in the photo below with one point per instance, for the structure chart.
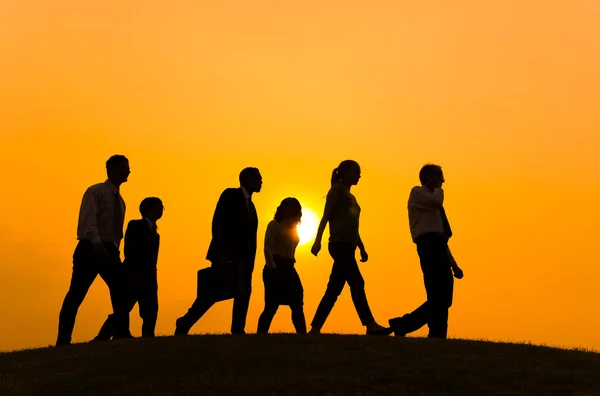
(220, 283)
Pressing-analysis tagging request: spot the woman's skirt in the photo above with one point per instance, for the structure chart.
(282, 284)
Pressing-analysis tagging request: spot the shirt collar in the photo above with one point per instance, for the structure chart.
(151, 223)
(113, 188)
(246, 195)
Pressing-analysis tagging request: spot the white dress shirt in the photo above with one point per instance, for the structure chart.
(96, 214)
(424, 211)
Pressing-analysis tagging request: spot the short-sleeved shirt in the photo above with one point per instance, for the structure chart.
(282, 241)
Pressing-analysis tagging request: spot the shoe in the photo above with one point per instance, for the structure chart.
(384, 331)
(396, 326)
(241, 332)
(180, 329)
(123, 337)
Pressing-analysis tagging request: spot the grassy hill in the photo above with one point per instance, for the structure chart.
(299, 365)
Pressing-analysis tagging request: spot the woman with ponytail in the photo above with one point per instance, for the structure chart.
(342, 212)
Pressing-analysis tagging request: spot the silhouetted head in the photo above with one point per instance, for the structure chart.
(152, 208)
(431, 176)
(117, 169)
(347, 172)
(289, 211)
(251, 180)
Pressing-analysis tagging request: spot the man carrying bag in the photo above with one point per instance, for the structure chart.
(232, 253)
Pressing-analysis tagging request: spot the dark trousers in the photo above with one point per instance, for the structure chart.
(439, 285)
(86, 267)
(206, 298)
(282, 287)
(144, 292)
(345, 269)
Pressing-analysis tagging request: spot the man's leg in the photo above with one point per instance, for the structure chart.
(440, 299)
(107, 331)
(113, 274)
(200, 306)
(242, 299)
(438, 283)
(84, 273)
(428, 249)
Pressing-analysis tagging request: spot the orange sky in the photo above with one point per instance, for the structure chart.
(503, 94)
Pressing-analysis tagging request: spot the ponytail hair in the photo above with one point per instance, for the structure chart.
(335, 177)
(338, 173)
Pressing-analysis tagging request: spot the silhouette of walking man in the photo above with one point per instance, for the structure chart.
(232, 252)
(99, 231)
(342, 212)
(142, 243)
(430, 231)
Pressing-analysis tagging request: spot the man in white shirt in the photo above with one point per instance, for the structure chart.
(99, 231)
(430, 231)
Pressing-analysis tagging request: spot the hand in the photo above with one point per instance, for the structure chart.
(316, 247)
(458, 273)
(364, 256)
(271, 265)
(100, 252)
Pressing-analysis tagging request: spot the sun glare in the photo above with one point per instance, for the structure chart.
(307, 229)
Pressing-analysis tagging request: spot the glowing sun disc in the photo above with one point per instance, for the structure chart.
(307, 229)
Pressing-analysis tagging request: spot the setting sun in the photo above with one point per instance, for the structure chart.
(307, 229)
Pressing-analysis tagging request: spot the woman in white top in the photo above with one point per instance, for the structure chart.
(282, 283)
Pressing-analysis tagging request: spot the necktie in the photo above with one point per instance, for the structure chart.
(118, 218)
(446, 224)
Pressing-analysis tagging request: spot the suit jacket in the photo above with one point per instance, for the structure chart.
(234, 228)
(141, 248)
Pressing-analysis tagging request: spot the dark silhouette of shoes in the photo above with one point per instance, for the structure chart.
(180, 329)
(396, 324)
(384, 331)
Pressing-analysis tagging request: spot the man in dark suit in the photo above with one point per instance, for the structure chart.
(141, 257)
(232, 252)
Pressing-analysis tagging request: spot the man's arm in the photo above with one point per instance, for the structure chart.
(88, 216)
(422, 198)
(458, 272)
(219, 225)
(133, 244)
